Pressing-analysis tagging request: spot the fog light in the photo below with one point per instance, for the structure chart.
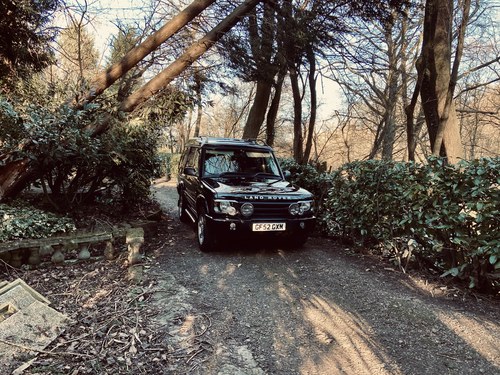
(232, 226)
(246, 209)
(302, 225)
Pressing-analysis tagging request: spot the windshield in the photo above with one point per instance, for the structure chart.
(240, 162)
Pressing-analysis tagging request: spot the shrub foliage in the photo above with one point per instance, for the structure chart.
(18, 222)
(72, 164)
(444, 216)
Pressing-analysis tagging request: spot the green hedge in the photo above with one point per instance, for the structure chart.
(444, 216)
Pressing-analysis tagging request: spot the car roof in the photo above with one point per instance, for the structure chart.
(228, 142)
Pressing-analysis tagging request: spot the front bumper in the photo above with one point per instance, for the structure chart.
(242, 227)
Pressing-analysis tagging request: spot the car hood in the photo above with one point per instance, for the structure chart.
(256, 190)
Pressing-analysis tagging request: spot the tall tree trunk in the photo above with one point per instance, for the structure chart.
(438, 82)
(262, 51)
(391, 96)
(311, 59)
(272, 114)
(409, 104)
(199, 106)
(297, 115)
(105, 79)
(258, 111)
(379, 137)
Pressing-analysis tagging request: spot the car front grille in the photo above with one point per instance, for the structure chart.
(270, 209)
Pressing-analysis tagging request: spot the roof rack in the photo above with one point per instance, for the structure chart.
(257, 141)
(209, 140)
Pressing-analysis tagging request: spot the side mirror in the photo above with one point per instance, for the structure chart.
(189, 171)
(287, 174)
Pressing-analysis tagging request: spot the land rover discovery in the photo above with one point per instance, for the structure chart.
(236, 188)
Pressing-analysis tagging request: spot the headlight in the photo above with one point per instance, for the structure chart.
(304, 207)
(300, 208)
(246, 209)
(224, 207)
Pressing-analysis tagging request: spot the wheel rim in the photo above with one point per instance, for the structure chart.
(201, 229)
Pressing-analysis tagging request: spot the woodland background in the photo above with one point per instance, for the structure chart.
(401, 82)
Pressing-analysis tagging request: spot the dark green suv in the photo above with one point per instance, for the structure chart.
(236, 188)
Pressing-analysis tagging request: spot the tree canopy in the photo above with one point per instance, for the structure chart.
(25, 33)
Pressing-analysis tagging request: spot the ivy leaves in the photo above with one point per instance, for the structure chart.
(22, 222)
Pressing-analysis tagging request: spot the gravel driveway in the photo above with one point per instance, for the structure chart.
(252, 309)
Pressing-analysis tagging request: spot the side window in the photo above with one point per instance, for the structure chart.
(182, 161)
(193, 158)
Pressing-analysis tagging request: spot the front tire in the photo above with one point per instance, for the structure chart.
(206, 239)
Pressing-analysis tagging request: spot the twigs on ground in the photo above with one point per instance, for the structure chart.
(31, 349)
(114, 330)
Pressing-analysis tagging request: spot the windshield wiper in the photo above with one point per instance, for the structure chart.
(278, 179)
(265, 175)
(231, 174)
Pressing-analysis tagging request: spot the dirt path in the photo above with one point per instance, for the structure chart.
(256, 310)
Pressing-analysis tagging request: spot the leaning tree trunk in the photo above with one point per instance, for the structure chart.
(197, 49)
(16, 174)
(106, 78)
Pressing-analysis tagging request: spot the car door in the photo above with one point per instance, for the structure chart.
(192, 178)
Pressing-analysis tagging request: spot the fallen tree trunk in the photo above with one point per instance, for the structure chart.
(16, 174)
(188, 57)
(106, 78)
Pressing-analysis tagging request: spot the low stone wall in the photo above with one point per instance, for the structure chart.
(62, 248)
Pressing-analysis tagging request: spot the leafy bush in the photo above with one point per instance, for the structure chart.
(74, 165)
(22, 222)
(132, 163)
(449, 214)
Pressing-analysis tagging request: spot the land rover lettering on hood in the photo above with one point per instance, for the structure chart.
(233, 188)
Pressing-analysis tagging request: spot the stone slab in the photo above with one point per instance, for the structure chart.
(27, 324)
(34, 327)
(10, 290)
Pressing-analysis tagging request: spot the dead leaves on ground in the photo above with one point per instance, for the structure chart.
(114, 330)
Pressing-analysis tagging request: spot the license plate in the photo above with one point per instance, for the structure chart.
(268, 227)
